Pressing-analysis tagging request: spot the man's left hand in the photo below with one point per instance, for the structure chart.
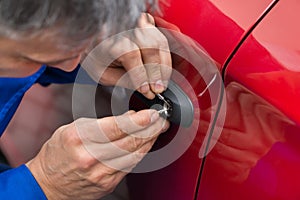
(140, 59)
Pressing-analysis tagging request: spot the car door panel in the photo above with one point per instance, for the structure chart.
(257, 155)
(218, 34)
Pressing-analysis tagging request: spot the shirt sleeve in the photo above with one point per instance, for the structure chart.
(19, 183)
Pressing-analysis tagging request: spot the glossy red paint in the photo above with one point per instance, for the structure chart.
(275, 60)
(219, 30)
(258, 154)
(215, 25)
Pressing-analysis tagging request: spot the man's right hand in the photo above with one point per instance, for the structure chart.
(89, 157)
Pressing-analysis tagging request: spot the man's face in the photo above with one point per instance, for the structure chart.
(23, 57)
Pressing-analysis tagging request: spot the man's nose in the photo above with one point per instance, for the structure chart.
(69, 65)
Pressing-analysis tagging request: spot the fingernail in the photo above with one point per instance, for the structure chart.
(149, 95)
(166, 83)
(154, 116)
(159, 86)
(145, 87)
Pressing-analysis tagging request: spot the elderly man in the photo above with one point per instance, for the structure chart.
(43, 42)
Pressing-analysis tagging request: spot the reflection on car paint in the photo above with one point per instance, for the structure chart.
(257, 155)
(242, 160)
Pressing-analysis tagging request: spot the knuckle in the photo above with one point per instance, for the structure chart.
(85, 161)
(138, 142)
(134, 143)
(154, 75)
(160, 40)
(138, 72)
(145, 149)
(109, 180)
(138, 156)
(69, 135)
(129, 55)
(117, 132)
(151, 51)
(108, 184)
(122, 46)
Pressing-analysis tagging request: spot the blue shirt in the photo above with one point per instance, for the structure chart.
(19, 183)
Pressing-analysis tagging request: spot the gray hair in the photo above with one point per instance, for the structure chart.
(75, 18)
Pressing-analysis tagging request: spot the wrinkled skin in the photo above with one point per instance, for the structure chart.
(88, 158)
(75, 164)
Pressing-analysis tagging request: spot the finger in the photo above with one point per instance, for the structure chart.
(114, 128)
(155, 54)
(132, 142)
(146, 20)
(115, 76)
(161, 125)
(127, 54)
(119, 148)
(133, 122)
(158, 64)
(128, 144)
(134, 66)
(152, 61)
(165, 67)
(129, 160)
(165, 55)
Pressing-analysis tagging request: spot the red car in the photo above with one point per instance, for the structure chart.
(244, 139)
(237, 65)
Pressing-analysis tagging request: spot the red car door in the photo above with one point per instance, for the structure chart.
(258, 154)
(218, 28)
